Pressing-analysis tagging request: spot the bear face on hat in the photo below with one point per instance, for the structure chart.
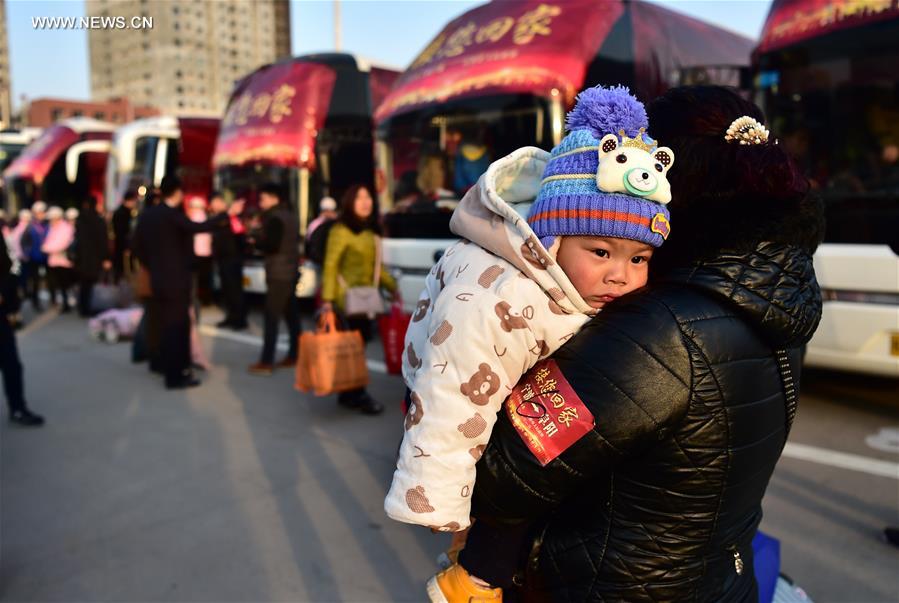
(635, 167)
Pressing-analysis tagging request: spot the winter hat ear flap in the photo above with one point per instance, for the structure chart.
(570, 201)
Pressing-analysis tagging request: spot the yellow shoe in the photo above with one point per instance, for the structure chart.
(454, 585)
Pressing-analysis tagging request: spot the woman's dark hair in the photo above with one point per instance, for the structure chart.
(727, 196)
(348, 215)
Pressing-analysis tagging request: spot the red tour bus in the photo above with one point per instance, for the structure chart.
(62, 166)
(304, 123)
(502, 76)
(827, 75)
(146, 150)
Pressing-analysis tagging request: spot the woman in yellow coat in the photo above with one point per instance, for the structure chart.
(351, 256)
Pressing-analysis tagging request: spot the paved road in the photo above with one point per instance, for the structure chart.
(244, 490)
(830, 519)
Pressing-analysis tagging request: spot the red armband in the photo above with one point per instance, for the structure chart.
(547, 413)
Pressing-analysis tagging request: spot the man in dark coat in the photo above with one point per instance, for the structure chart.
(121, 232)
(10, 364)
(279, 242)
(91, 253)
(685, 392)
(227, 251)
(163, 242)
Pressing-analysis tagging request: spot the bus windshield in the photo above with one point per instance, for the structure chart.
(8, 152)
(835, 105)
(441, 151)
(144, 159)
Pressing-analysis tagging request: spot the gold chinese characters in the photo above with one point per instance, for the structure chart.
(524, 30)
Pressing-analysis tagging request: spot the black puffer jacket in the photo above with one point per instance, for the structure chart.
(91, 244)
(658, 501)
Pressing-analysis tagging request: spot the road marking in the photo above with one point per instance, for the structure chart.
(375, 366)
(841, 460)
(886, 440)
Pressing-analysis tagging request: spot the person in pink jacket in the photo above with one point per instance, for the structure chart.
(60, 237)
(15, 236)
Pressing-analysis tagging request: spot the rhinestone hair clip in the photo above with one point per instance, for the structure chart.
(747, 130)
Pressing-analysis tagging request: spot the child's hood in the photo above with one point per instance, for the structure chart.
(486, 218)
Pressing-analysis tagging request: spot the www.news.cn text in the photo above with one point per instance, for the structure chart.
(119, 22)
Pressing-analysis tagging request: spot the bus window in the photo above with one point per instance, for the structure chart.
(145, 159)
(467, 134)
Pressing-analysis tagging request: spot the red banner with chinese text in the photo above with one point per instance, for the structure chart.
(547, 413)
(530, 46)
(274, 116)
(792, 21)
(38, 157)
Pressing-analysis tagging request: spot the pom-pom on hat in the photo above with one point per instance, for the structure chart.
(570, 201)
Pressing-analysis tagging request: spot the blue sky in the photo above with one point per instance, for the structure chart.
(55, 63)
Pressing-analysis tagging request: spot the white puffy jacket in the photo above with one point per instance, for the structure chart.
(494, 305)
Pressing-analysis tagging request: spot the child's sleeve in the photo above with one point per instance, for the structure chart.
(478, 345)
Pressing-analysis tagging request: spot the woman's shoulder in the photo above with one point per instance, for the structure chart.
(641, 329)
(340, 230)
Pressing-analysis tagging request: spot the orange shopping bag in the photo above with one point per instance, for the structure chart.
(330, 360)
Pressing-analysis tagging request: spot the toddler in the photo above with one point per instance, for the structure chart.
(512, 291)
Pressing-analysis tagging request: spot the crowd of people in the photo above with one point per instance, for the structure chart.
(68, 251)
(163, 252)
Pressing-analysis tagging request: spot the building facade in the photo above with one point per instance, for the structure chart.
(187, 61)
(5, 85)
(44, 112)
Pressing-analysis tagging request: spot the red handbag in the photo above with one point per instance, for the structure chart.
(393, 327)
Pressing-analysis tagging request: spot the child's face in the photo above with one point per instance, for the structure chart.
(603, 268)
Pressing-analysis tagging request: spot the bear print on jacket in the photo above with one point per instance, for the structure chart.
(414, 412)
(508, 319)
(481, 385)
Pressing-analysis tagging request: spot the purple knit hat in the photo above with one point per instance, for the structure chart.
(570, 202)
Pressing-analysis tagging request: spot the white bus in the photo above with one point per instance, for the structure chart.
(146, 150)
(62, 166)
(829, 83)
(305, 124)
